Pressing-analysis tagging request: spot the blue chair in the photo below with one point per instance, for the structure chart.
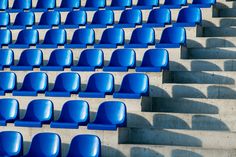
(59, 59)
(20, 5)
(74, 19)
(81, 38)
(69, 5)
(110, 116)
(89, 60)
(5, 37)
(66, 84)
(111, 38)
(130, 18)
(4, 19)
(85, 145)
(102, 19)
(158, 18)
(48, 20)
(119, 4)
(154, 60)
(34, 83)
(146, 4)
(172, 37)
(121, 60)
(44, 5)
(11, 144)
(22, 20)
(92, 5)
(38, 112)
(26, 38)
(202, 3)
(7, 82)
(6, 58)
(45, 145)
(74, 113)
(133, 86)
(174, 4)
(99, 85)
(9, 111)
(29, 59)
(189, 17)
(53, 38)
(3, 5)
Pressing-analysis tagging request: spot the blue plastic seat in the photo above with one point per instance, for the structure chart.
(158, 18)
(110, 116)
(92, 5)
(5, 37)
(34, 83)
(99, 85)
(3, 5)
(89, 60)
(66, 84)
(20, 5)
(9, 111)
(59, 59)
(119, 4)
(141, 38)
(75, 19)
(68, 5)
(74, 113)
(154, 60)
(121, 60)
(22, 20)
(7, 82)
(81, 38)
(146, 4)
(174, 4)
(45, 145)
(85, 145)
(172, 37)
(11, 144)
(44, 5)
(111, 38)
(48, 20)
(38, 112)
(53, 38)
(189, 17)
(29, 59)
(102, 19)
(130, 18)
(133, 86)
(4, 19)
(26, 38)
(202, 3)
(6, 58)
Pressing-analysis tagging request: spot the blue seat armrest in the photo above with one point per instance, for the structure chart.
(126, 95)
(91, 95)
(93, 126)
(19, 68)
(118, 69)
(28, 123)
(57, 94)
(24, 93)
(64, 125)
(82, 68)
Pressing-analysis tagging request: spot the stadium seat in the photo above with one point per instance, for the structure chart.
(44, 5)
(9, 111)
(119, 4)
(111, 38)
(189, 17)
(38, 112)
(92, 5)
(133, 86)
(99, 85)
(174, 4)
(154, 60)
(20, 5)
(69, 5)
(202, 3)
(81, 38)
(48, 20)
(89, 60)
(172, 37)
(146, 4)
(130, 18)
(34, 83)
(4, 19)
(29, 59)
(158, 18)
(85, 145)
(102, 19)
(45, 145)
(66, 84)
(3, 5)
(11, 144)
(7, 82)
(53, 39)
(110, 116)
(75, 19)
(6, 58)
(121, 60)
(26, 38)
(22, 20)
(74, 113)
(5, 37)
(59, 59)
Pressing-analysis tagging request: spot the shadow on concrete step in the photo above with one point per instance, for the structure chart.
(184, 153)
(108, 151)
(204, 66)
(230, 65)
(187, 92)
(221, 92)
(137, 120)
(139, 151)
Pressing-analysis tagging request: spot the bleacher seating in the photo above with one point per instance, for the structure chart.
(48, 20)
(68, 5)
(5, 19)
(6, 58)
(7, 82)
(44, 5)
(20, 5)
(9, 111)
(23, 20)
(102, 19)
(74, 19)
(174, 4)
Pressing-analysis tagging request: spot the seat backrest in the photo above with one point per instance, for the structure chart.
(113, 36)
(22, 4)
(28, 36)
(83, 36)
(50, 145)
(25, 19)
(123, 57)
(35, 81)
(7, 81)
(121, 3)
(95, 4)
(76, 18)
(204, 2)
(3, 4)
(85, 145)
(131, 16)
(75, 111)
(60, 57)
(5, 37)
(175, 2)
(46, 4)
(31, 57)
(173, 35)
(50, 18)
(161, 15)
(5, 19)
(11, 143)
(55, 36)
(91, 57)
(143, 36)
(6, 57)
(105, 17)
(148, 3)
(190, 15)
(9, 109)
(70, 4)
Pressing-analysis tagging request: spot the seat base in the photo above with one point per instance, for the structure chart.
(91, 95)
(64, 125)
(93, 126)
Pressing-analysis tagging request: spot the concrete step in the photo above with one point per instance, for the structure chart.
(219, 22)
(227, 12)
(219, 31)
